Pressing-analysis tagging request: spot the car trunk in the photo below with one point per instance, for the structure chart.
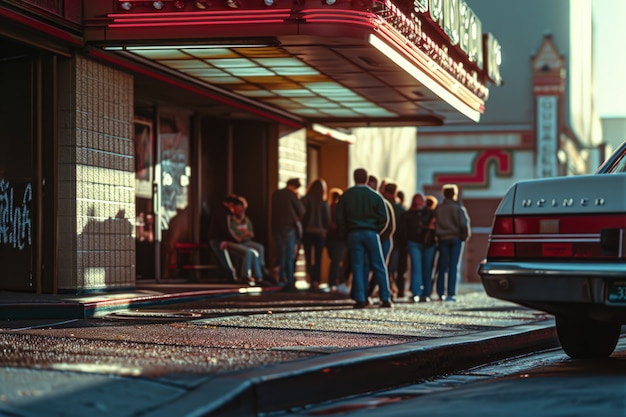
(570, 218)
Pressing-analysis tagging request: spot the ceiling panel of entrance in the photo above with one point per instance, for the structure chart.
(273, 76)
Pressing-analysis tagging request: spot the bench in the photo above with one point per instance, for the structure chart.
(202, 258)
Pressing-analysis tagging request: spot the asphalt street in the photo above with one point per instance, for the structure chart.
(238, 353)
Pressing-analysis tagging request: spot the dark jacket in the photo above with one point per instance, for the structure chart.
(333, 229)
(414, 225)
(398, 211)
(219, 224)
(361, 208)
(287, 210)
(316, 215)
(452, 221)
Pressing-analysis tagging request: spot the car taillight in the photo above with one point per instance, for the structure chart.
(502, 226)
(500, 245)
(501, 250)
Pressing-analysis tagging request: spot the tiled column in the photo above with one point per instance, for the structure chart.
(292, 158)
(96, 196)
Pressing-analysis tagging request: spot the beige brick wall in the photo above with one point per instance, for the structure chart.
(292, 158)
(96, 178)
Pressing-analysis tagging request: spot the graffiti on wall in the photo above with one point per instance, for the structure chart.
(15, 215)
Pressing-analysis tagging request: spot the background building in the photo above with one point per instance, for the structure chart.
(609, 85)
(541, 122)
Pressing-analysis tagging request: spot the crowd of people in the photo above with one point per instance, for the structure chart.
(371, 239)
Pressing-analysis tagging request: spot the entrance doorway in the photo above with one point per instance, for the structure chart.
(162, 180)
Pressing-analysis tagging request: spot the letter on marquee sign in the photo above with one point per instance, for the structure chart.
(459, 23)
(451, 20)
(436, 11)
(494, 59)
(471, 34)
(420, 6)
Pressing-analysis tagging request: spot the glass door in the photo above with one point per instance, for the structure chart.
(162, 178)
(144, 200)
(173, 216)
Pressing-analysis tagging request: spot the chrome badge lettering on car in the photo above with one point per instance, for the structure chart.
(566, 202)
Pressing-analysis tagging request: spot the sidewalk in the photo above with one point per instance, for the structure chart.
(456, 336)
(25, 306)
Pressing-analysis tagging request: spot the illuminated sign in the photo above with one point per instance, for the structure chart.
(547, 122)
(447, 31)
(454, 18)
(460, 25)
(458, 22)
(494, 59)
(451, 21)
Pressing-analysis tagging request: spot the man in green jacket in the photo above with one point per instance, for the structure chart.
(360, 215)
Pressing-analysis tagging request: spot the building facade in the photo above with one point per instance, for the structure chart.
(127, 122)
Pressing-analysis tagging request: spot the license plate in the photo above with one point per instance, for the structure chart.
(556, 249)
(616, 293)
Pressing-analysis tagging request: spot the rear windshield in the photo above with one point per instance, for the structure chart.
(616, 163)
(618, 166)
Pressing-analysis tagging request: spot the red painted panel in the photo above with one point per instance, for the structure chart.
(480, 169)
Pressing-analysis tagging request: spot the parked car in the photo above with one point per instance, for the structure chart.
(559, 245)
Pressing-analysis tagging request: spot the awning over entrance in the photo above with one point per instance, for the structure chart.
(339, 63)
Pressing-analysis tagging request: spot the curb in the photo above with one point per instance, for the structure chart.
(69, 309)
(296, 384)
(102, 307)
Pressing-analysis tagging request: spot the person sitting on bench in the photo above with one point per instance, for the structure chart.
(242, 231)
(226, 246)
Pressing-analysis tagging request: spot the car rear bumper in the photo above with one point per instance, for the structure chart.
(608, 270)
(555, 287)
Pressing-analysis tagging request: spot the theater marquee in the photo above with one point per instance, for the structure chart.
(344, 63)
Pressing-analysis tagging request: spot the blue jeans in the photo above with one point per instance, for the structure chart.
(364, 246)
(250, 255)
(259, 248)
(449, 256)
(224, 259)
(386, 246)
(422, 258)
(285, 252)
(394, 257)
(313, 244)
(387, 250)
